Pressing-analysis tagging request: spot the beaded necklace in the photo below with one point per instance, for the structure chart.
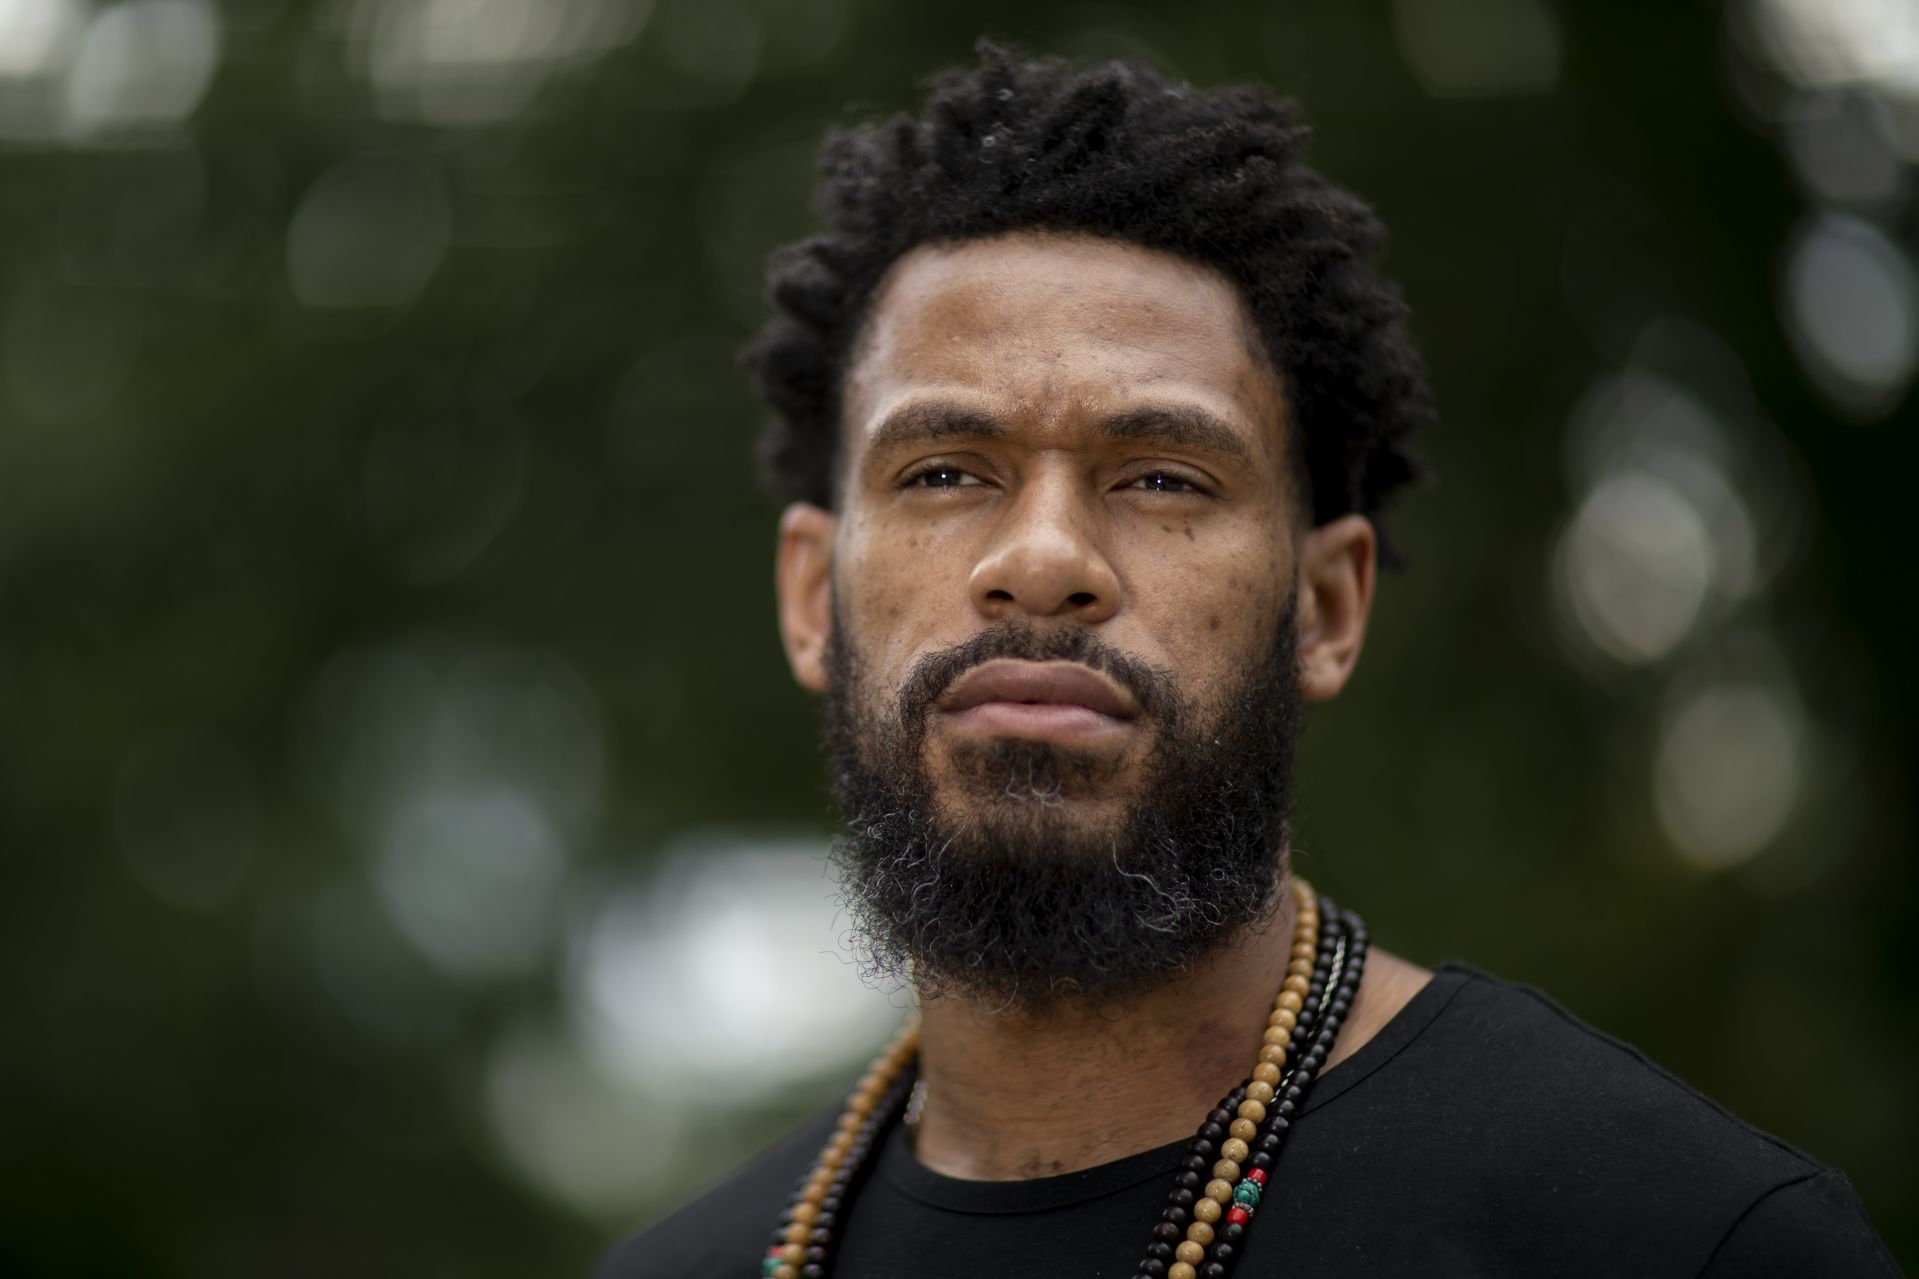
(1201, 1231)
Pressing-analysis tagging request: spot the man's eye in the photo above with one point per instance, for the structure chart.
(941, 477)
(1163, 482)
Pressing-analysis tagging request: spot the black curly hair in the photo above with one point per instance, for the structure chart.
(1214, 176)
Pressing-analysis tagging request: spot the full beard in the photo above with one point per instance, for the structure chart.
(1006, 894)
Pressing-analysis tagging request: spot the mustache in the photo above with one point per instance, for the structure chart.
(932, 674)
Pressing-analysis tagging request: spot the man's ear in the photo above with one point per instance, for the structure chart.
(1337, 562)
(803, 578)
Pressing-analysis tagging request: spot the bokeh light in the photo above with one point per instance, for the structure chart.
(1834, 43)
(591, 1140)
(369, 232)
(74, 71)
(726, 970)
(468, 771)
(1479, 48)
(38, 40)
(1731, 766)
(1637, 564)
(1852, 310)
(1662, 538)
(1843, 146)
(712, 48)
(36, 34)
(142, 63)
(478, 62)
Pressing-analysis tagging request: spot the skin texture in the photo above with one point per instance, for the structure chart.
(1078, 432)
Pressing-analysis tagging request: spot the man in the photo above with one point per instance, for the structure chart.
(1088, 404)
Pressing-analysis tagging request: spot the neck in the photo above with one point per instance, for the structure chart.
(1017, 1094)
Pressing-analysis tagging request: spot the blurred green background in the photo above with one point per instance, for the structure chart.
(412, 839)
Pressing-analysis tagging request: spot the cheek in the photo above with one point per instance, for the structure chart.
(1210, 583)
(1212, 614)
(896, 598)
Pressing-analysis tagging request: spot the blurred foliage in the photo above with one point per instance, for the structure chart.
(327, 373)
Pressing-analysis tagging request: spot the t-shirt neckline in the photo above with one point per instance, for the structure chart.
(899, 1168)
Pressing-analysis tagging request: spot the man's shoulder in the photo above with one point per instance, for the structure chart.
(1541, 1071)
(1572, 1066)
(1551, 1130)
(736, 1216)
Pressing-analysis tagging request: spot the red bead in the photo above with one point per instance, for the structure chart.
(1238, 1215)
(1257, 1176)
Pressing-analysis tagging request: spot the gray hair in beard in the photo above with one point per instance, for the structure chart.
(1013, 904)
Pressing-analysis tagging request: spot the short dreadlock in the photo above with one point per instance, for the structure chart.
(1115, 150)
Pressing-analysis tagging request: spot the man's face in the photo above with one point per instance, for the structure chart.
(1056, 613)
(1071, 433)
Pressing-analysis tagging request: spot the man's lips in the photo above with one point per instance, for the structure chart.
(1055, 700)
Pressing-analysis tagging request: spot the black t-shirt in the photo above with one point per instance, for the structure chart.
(1483, 1132)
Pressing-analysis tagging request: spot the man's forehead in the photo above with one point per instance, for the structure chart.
(1035, 321)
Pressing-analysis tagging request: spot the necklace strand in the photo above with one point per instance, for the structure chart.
(1202, 1229)
(1216, 1230)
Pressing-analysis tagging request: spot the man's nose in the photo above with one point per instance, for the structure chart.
(1045, 560)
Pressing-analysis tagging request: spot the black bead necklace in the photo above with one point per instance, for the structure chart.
(1202, 1229)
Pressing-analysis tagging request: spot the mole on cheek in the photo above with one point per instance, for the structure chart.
(1189, 532)
(1212, 621)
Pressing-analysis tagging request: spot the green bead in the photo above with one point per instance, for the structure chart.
(1247, 1193)
(768, 1266)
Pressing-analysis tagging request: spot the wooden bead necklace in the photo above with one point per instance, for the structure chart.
(1215, 1194)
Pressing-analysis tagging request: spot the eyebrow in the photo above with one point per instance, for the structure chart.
(1181, 425)
(928, 421)
(1184, 425)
